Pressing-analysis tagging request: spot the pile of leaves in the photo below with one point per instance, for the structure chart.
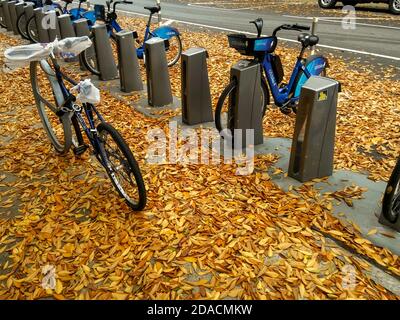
(206, 232)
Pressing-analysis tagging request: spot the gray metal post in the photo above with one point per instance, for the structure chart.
(1, 12)
(19, 9)
(314, 135)
(247, 101)
(81, 28)
(6, 13)
(42, 33)
(13, 16)
(195, 87)
(53, 27)
(66, 27)
(159, 91)
(28, 9)
(129, 70)
(314, 32)
(105, 59)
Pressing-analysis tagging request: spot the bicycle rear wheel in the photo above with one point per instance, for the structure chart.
(49, 98)
(21, 25)
(122, 167)
(173, 50)
(31, 30)
(89, 59)
(224, 113)
(391, 198)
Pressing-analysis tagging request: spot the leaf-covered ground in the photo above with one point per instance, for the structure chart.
(206, 232)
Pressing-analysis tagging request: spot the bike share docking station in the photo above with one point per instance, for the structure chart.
(314, 135)
(13, 17)
(28, 10)
(81, 28)
(43, 34)
(195, 87)
(247, 100)
(19, 9)
(105, 59)
(6, 14)
(159, 93)
(129, 69)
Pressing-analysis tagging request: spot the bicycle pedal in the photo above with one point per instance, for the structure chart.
(286, 111)
(80, 149)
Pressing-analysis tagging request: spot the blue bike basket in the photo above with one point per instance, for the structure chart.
(250, 46)
(100, 12)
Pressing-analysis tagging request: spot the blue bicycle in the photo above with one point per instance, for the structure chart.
(286, 96)
(171, 36)
(28, 29)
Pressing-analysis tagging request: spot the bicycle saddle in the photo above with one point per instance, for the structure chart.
(308, 40)
(153, 9)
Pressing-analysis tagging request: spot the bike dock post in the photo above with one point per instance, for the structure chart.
(53, 27)
(313, 141)
(107, 66)
(19, 9)
(13, 16)
(66, 31)
(28, 9)
(66, 27)
(42, 33)
(6, 14)
(195, 87)
(81, 28)
(247, 102)
(129, 70)
(159, 91)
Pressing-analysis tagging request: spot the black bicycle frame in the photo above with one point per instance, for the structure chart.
(69, 106)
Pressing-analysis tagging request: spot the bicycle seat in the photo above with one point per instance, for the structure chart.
(308, 40)
(153, 9)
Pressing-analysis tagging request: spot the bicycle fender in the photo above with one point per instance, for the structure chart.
(315, 64)
(166, 32)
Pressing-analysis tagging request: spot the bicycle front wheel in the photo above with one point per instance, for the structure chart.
(122, 167)
(49, 98)
(391, 198)
(31, 30)
(225, 113)
(21, 25)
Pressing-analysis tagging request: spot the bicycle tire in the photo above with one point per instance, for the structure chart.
(176, 58)
(226, 93)
(92, 66)
(31, 28)
(21, 25)
(128, 164)
(391, 197)
(61, 145)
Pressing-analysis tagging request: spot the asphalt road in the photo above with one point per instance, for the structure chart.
(366, 39)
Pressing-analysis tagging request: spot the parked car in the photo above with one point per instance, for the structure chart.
(394, 5)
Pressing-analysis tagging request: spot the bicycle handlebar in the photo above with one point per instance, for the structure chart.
(295, 27)
(117, 3)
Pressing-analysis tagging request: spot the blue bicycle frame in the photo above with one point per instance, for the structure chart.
(302, 71)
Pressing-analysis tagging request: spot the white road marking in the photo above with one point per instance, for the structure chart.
(284, 39)
(334, 19)
(168, 22)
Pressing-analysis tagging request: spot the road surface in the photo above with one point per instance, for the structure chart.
(368, 39)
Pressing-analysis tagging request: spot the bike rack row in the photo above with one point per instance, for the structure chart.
(312, 149)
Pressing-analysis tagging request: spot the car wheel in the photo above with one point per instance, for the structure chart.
(394, 6)
(327, 4)
(349, 2)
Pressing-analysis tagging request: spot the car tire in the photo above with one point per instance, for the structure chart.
(327, 4)
(349, 3)
(394, 6)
